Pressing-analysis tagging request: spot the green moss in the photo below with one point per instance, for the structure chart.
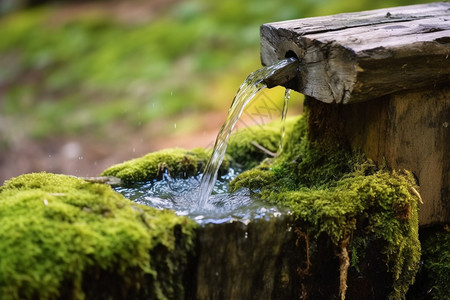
(176, 162)
(64, 238)
(243, 152)
(341, 194)
(184, 163)
(303, 163)
(436, 263)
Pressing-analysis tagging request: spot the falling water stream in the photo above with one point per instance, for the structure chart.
(204, 197)
(248, 89)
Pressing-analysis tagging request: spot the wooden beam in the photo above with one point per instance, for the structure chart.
(355, 57)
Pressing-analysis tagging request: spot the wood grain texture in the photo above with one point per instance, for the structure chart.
(413, 133)
(408, 130)
(355, 57)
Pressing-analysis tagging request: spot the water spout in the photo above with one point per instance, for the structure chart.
(283, 75)
(269, 76)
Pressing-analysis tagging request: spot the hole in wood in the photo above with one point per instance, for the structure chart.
(290, 54)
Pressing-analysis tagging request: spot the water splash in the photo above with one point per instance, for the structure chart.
(248, 89)
(179, 196)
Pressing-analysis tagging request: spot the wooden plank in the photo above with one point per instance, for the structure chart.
(364, 18)
(356, 57)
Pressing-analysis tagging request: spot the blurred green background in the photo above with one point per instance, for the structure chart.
(84, 85)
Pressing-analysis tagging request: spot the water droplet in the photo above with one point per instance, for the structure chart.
(445, 124)
(71, 150)
(246, 235)
(175, 125)
(80, 157)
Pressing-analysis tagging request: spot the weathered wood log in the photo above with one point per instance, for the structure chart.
(355, 57)
(399, 58)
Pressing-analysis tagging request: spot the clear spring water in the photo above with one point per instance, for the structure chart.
(180, 195)
(248, 89)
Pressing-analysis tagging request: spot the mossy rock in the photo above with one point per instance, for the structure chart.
(343, 197)
(64, 238)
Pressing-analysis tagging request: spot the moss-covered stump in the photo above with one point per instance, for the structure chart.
(353, 232)
(241, 259)
(64, 238)
(357, 225)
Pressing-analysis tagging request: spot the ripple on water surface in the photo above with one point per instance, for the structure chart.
(181, 195)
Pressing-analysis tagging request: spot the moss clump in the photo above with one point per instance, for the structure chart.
(301, 163)
(342, 195)
(241, 146)
(176, 162)
(436, 263)
(64, 238)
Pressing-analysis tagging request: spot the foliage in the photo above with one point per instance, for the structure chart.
(59, 231)
(70, 72)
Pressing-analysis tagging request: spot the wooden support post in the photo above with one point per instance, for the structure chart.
(399, 59)
(410, 130)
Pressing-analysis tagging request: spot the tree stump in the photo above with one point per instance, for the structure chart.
(387, 72)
